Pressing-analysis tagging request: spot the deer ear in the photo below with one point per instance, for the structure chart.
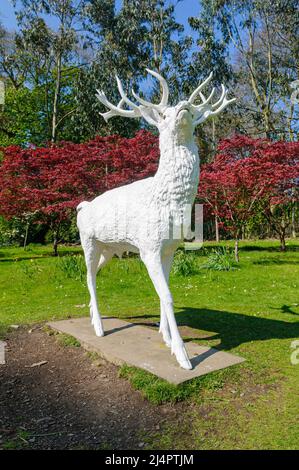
(150, 115)
(156, 115)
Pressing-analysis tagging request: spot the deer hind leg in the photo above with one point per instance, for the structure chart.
(104, 258)
(164, 326)
(154, 267)
(92, 253)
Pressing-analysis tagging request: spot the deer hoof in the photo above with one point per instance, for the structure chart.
(166, 339)
(166, 335)
(181, 356)
(98, 330)
(185, 364)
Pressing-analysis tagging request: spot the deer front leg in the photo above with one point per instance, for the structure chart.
(164, 326)
(154, 267)
(104, 259)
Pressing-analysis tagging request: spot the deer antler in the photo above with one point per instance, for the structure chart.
(205, 108)
(165, 93)
(115, 110)
(147, 110)
(199, 88)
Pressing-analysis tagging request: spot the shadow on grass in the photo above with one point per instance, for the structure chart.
(286, 309)
(205, 250)
(234, 329)
(274, 261)
(4, 257)
(289, 248)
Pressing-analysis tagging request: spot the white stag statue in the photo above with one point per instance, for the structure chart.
(136, 217)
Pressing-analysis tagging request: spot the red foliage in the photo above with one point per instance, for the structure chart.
(248, 175)
(51, 181)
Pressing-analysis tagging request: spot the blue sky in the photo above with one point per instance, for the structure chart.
(7, 16)
(184, 9)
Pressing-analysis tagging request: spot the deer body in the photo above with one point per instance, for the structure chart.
(142, 216)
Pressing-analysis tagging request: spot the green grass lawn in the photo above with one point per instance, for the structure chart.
(252, 311)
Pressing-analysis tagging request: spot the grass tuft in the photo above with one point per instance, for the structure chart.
(184, 263)
(67, 340)
(73, 267)
(220, 259)
(159, 391)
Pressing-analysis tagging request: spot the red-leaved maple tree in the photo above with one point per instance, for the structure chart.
(250, 176)
(46, 184)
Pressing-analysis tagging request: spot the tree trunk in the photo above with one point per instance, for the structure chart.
(213, 138)
(217, 229)
(55, 245)
(290, 120)
(237, 250)
(282, 241)
(55, 240)
(293, 222)
(243, 232)
(26, 235)
(56, 99)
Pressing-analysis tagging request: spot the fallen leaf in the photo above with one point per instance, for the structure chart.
(38, 364)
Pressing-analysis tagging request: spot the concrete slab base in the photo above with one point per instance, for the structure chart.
(143, 347)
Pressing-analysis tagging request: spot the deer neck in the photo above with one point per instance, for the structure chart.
(176, 181)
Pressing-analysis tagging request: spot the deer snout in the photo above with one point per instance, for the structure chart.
(185, 106)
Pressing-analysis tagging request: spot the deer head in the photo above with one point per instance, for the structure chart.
(179, 121)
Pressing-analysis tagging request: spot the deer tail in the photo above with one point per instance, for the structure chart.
(81, 205)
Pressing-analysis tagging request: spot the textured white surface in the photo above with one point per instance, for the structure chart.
(146, 216)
